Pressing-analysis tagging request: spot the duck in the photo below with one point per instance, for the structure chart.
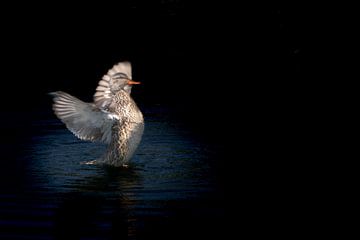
(112, 118)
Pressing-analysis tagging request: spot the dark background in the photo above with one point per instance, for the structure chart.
(232, 74)
(223, 69)
(197, 56)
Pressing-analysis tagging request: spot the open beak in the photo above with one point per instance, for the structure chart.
(131, 82)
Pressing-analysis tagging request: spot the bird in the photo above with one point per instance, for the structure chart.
(112, 118)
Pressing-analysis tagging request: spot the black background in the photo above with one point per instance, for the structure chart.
(232, 74)
(215, 64)
(183, 52)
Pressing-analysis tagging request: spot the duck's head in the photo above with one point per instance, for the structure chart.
(120, 81)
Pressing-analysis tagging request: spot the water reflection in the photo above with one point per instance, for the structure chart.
(97, 208)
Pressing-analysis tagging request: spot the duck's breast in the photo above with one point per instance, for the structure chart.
(134, 137)
(130, 127)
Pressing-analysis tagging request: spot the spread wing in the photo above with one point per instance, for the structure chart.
(84, 120)
(105, 90)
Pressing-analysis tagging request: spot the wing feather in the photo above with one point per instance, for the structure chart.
(103, 95)
(84, 120)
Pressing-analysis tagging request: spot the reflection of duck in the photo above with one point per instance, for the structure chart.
(113, 118)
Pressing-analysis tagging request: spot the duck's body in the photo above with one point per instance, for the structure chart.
(127, 133)
(113, 118)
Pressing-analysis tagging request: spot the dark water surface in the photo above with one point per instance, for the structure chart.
(170, 190)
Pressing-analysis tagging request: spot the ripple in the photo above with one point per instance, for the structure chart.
(169, 171)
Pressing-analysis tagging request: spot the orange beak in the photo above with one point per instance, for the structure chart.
(131, 82)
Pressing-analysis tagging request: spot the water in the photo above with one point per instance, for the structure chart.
(169, 190)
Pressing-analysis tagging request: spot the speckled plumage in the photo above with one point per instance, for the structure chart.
(113, 118)
(126, 134)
